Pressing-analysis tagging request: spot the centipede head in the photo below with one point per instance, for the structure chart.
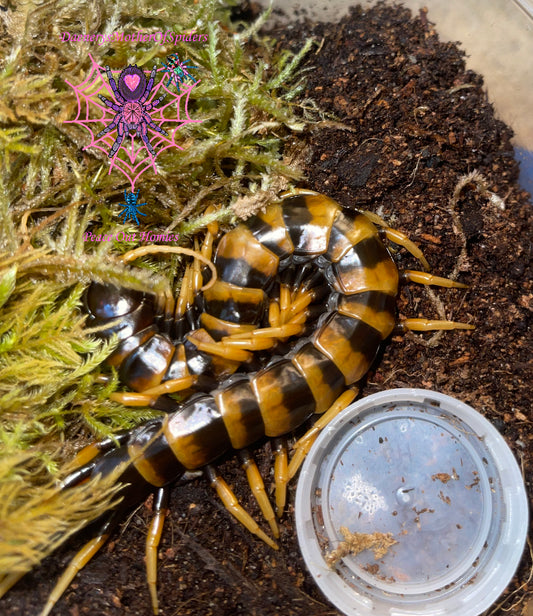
(105, 301)
(118, 311)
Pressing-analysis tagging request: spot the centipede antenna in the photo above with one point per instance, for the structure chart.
(231, 503)
(155, 249)
(153, 538)
(258, 489)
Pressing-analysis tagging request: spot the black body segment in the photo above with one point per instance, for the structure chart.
(325, 380)
(308, 219)
(243, 261)
(235, 304)
(240, 412)
(196, 433)
(152, 456)
(284, 397)
(269, 228)
(146, 366)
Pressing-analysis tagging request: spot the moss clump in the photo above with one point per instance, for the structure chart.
(52, 191)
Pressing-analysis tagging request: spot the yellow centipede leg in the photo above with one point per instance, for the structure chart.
(128, 398)
(150, 395)
(427, 325)
(185, 297)
(212, 230)
(196, 277)
(89, 452)
(284, 302)
(153, 538)
(9, 581)
(299, 304)
(274, 319)
(429, 279)
(172, 386)
(303, 445)
(258, 489)
(285, 318)
(231, 503)
(397, 237)
(281, 473)
(283, 331)
(206, 251)
(76, 564)
(221, 350)
(249, 344)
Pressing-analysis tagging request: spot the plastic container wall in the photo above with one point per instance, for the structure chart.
(497, 36)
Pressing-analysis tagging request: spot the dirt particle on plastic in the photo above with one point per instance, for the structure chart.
(354, 543)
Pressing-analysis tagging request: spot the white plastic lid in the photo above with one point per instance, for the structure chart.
(432, 478)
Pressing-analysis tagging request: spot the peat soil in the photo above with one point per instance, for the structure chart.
(403, 122)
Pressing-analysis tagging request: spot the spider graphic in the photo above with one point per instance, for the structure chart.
(131, 208)
(179, 71)
(131, 106)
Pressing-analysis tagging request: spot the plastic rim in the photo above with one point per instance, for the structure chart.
(437, 476)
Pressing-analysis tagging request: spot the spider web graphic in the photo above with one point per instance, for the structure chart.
(133, 157)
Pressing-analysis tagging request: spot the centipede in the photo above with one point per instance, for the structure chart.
(303, 301)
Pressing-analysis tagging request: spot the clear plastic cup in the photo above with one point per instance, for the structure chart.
(432, 482)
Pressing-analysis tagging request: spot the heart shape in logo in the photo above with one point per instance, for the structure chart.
(132, 81)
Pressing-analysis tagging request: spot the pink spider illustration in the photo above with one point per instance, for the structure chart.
(131, 107)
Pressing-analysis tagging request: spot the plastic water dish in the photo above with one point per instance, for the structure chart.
(411, 503)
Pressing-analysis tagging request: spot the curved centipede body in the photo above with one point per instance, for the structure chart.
(306, 279)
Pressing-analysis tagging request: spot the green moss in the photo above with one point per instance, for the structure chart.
(52, 191)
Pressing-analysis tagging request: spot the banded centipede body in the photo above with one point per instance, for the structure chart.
(305, 279)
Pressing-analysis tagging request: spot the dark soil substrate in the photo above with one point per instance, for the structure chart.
(405, 122)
